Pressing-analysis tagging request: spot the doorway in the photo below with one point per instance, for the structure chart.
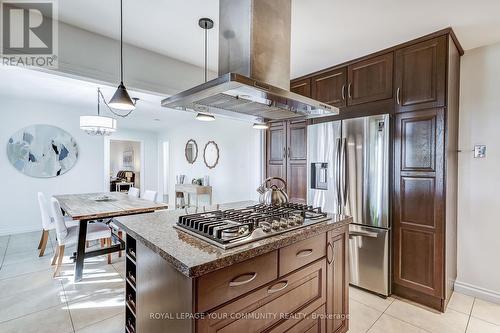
(125, 166)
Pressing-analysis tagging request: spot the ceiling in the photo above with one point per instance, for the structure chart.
(324, 32)
(81, 98)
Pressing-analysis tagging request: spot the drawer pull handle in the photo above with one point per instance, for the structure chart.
(272, 289)
(329, 253)
(304, 253)
(237, 281)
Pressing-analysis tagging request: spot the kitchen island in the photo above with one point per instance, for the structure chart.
(175, 282)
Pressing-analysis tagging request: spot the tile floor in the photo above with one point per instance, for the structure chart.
(32, 301)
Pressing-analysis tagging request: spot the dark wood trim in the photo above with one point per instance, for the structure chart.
(442, 32)
(421, 298)
(355, 111)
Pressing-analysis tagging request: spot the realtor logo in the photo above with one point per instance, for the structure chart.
(29, 33)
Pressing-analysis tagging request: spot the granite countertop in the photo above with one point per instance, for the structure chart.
(195, 257)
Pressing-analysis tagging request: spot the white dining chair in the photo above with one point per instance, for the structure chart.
(150, 195)
(133, 192)
(69, 235)
(48, 223)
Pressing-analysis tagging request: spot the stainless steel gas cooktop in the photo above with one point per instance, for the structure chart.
(234, 227)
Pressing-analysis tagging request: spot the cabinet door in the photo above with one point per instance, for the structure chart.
(337, 282)
(297, 161)
(418, 202)
(370, 80)
(420, 77)
(276, 150)
(301, 87)
(330, 87)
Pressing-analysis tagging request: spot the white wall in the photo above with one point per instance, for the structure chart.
(18, 204)
(238, 172)
(479, 179)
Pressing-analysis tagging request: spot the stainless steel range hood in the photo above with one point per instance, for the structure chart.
(254, 67)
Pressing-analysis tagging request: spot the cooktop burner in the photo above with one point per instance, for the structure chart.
(234, 227)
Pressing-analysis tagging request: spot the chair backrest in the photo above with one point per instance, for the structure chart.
(61, 229)
(150, 195)
(44, 211)
(133, 192)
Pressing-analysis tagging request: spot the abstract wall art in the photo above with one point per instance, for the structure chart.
(42, 151)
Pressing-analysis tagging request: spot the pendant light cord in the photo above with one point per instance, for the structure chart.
(206, 52)
(100, 95)
(121, 41)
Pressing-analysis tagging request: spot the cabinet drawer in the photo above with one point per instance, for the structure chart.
(300, 292)
(312, 323)
(301, 253)
(225, 284)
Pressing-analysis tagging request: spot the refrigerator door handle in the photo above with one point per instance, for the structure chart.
(343, 164)
(338, 176)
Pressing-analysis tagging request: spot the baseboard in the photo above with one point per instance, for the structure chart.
(475, 291)
(13, 231)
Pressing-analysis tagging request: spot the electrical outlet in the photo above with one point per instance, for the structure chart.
(479, 151)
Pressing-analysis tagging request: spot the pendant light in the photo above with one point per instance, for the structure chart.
(206, 24)
(121, 99)
(98, 125)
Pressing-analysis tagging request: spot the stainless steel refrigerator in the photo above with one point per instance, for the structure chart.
(348, 173)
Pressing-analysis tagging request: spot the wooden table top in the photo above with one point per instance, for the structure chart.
(193, 188)
(85, 207)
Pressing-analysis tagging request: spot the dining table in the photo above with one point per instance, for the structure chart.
(89, 207)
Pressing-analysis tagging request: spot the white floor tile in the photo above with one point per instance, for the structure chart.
(361, 317)
(27, 302)
(55, 319)
(97, 279)
(481, 326)
(486, 311)
(451, 321)
(29, 255)
(461, 303)
(369, 299)
(96, 308)
(28, 282)
(25, 267)
(388, 324)
(114, 324)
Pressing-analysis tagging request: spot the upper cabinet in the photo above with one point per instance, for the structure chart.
(420, 78)
(330, 87)
(301, 87)
(370, 80)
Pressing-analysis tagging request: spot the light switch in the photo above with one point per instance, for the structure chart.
(479, 151)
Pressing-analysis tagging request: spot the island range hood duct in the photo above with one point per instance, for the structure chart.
(254, 67)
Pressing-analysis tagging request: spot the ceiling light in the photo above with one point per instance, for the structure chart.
(260, 126)
(97, 125)
(205, 117)
(121, 99)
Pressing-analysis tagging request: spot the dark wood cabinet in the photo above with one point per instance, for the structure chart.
(418, 201)
(301, 87)
(330, 87)
(337, 281)
(276, 150)
(370, 80)
(287, 157)
(420, 80)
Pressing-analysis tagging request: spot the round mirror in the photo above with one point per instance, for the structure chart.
(211, 154)
(191, 151)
